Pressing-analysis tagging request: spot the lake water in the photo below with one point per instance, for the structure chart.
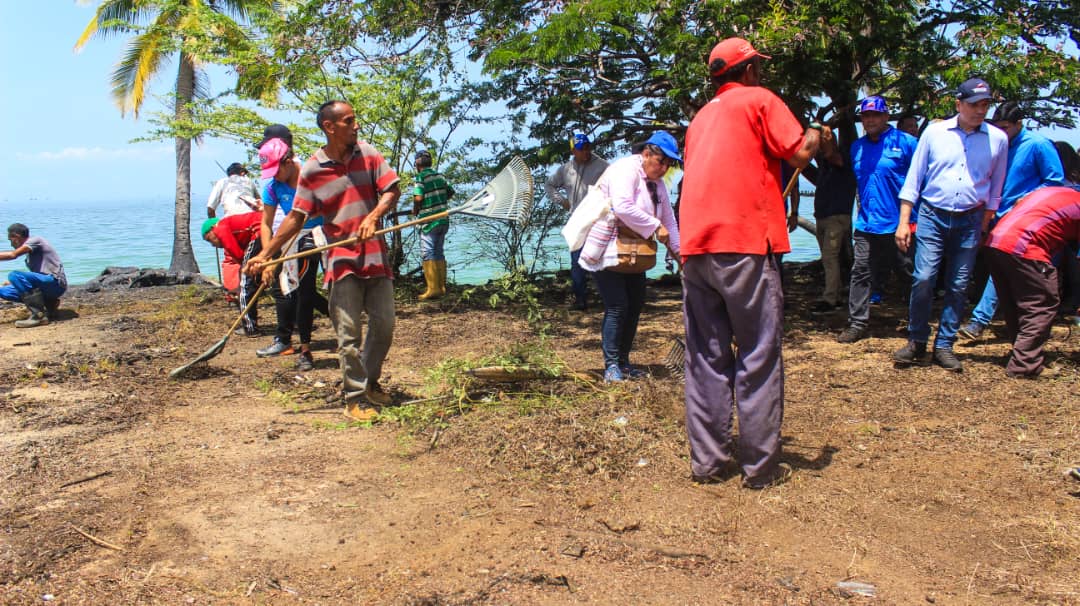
(91, 236)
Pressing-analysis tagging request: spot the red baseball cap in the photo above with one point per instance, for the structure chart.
(733, 51)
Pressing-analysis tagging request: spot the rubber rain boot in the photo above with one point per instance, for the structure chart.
(440, 279)
(35, 302)
(429, 278)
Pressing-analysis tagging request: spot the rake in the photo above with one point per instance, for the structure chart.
(675, 360)
(507, 197)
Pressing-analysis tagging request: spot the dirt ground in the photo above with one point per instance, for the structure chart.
(243, 483)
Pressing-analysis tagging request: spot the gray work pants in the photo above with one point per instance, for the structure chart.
(740, 296)
(362, 359)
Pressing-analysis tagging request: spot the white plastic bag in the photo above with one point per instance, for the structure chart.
(593, 207)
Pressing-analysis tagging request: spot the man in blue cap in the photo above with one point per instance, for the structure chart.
(956, 176)
(567, 186)
(880, 159)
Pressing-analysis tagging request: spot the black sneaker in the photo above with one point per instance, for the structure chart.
(304, 361)
(946, 359)
(972, 330)
(851, 334)
(824, 307)
(912, 353)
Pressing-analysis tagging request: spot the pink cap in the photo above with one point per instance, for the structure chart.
(733, 51)
(270, 156)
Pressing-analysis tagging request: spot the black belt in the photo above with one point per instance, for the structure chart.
(956, 213)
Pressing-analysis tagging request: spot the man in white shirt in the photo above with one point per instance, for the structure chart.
(236, 193)
(567, 186)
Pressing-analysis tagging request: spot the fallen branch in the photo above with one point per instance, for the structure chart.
(94, 539)
(86, 479)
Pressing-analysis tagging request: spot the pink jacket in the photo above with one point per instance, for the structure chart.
(624, 184)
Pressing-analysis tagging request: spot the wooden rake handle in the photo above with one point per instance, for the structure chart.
(355, 239)
(791, 184)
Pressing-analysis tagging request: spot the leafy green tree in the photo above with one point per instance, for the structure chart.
(624, 68)
(196, 32)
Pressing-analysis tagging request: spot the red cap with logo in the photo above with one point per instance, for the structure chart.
(732, 51)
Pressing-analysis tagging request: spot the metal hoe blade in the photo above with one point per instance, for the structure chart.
(208, 354)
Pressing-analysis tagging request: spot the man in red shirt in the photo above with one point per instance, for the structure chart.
(238, 235)
(351, 186)
(734, 225)
(1019, 251)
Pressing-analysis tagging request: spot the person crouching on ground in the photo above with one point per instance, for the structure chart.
(41, 287)
(1019, 250)
(431, 196)
(238, 235)
(640, 204)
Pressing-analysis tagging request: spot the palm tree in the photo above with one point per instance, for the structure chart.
(198, 31)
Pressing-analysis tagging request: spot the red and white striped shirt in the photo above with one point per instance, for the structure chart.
(343, 194)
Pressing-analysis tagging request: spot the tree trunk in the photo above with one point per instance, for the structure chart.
(183, 257)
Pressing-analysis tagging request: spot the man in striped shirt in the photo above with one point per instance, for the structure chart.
(351, 186)
(1019, 250)
(431, 196)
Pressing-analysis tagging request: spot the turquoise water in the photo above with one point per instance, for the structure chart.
(91, 236)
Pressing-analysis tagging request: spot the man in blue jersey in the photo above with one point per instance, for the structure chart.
(956, 176)
(1033, 163)
(880, 160)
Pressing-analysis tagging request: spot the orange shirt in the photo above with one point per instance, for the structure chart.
(730, 200)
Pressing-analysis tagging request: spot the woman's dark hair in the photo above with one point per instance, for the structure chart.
(733, 73)
(18, 229)
(1070, 160)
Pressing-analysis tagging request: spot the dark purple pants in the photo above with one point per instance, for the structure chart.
(740, 296)
(1028, 299)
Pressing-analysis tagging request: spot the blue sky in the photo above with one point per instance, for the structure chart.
(64, 139)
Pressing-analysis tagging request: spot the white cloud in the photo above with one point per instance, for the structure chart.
(97, 153)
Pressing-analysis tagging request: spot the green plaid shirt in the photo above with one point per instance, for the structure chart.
(436, 193)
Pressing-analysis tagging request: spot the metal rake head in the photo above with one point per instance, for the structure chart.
(675, 360)
(507, 197)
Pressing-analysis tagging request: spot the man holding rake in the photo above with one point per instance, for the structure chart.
(351, 186)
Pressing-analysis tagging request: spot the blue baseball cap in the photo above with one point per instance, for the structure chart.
(973, 90)
(873, 104)
(579, 141)
(666, 143)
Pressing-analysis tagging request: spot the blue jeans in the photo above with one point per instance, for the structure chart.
(984, 311)
(23, 282)
(624, 298)
(579, 277)
(953, 238)
(431, 244)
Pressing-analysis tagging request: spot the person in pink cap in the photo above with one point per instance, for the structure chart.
(733, 227)
(295, 293)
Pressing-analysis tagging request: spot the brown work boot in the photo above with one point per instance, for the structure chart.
(375, 394)
(356, 412)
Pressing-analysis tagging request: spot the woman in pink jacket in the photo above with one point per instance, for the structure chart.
(639, 203)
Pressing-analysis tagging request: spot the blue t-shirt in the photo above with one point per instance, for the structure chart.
(880, 168)
(1033, 163)
(281, 195)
